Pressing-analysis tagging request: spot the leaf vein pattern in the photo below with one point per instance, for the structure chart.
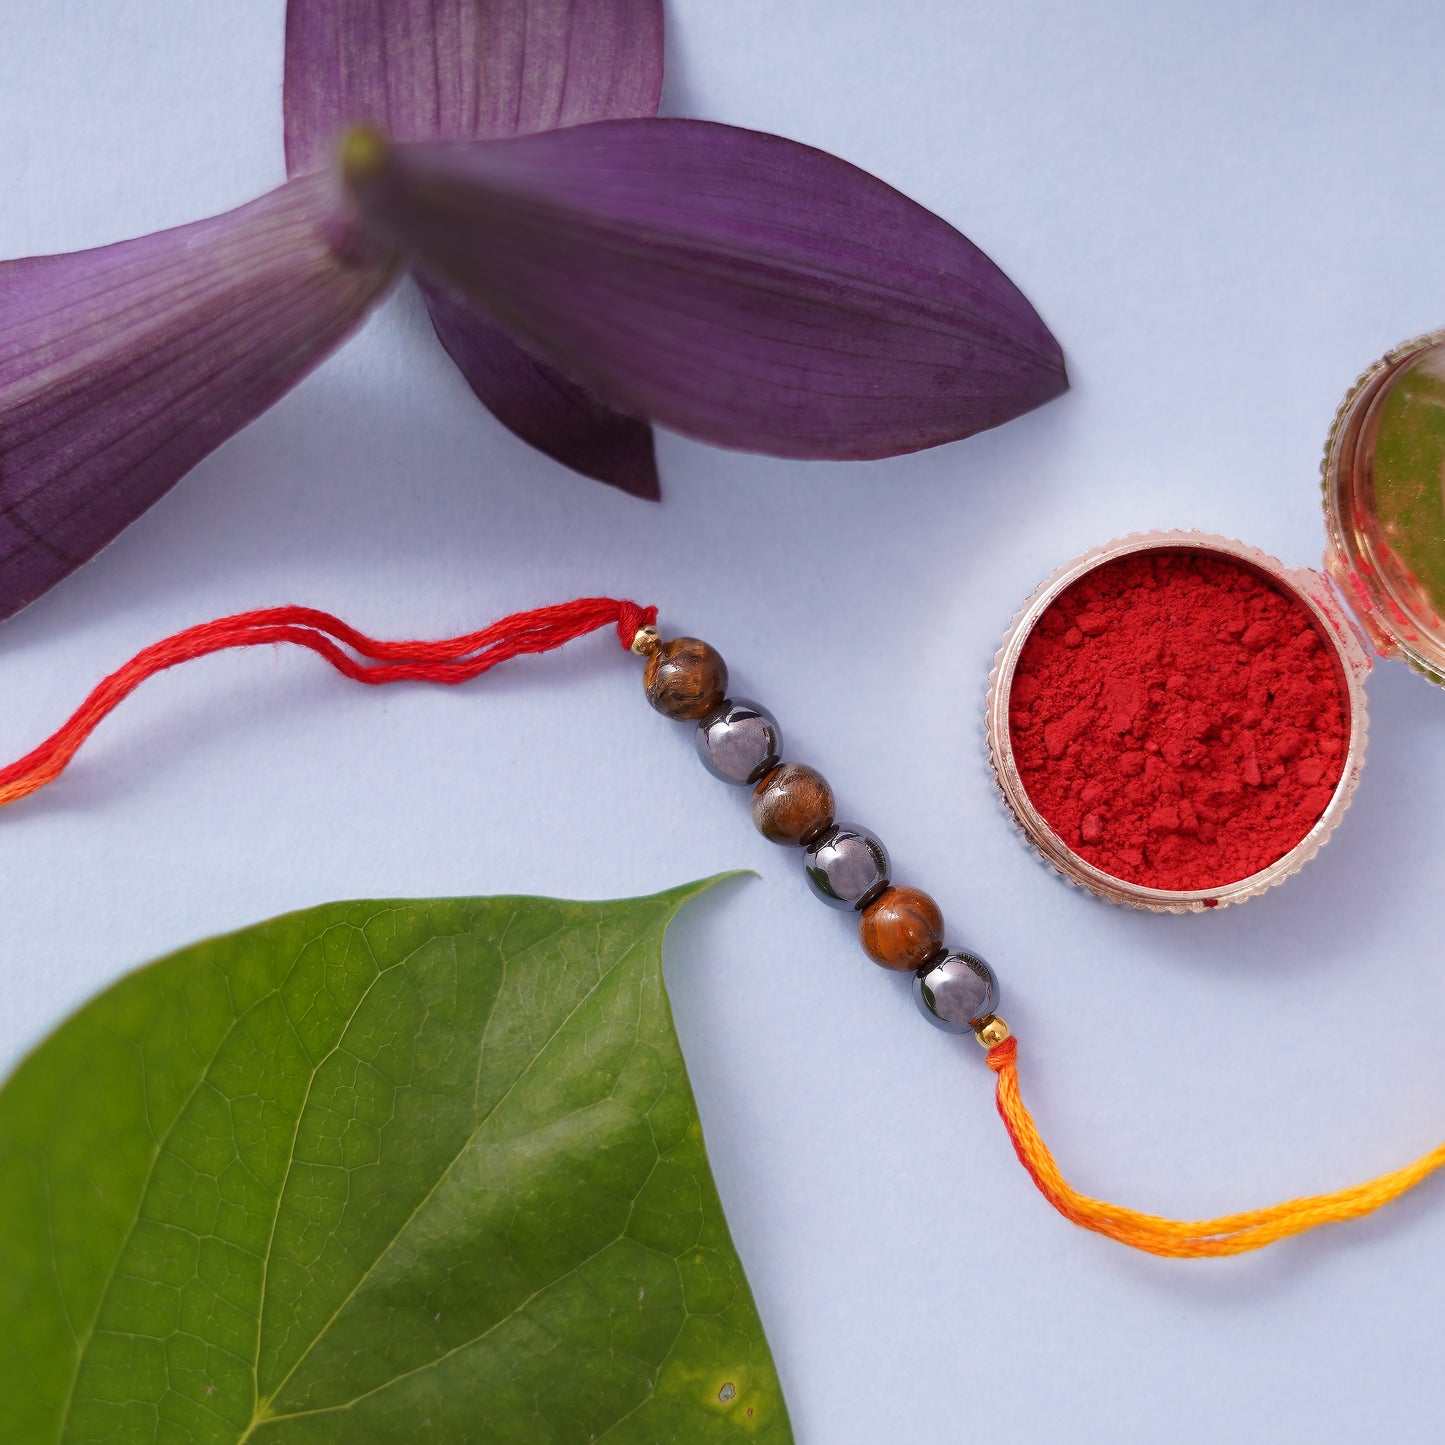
(203, 1081)
(446, 1355)
(156, 1153)
(445, 1173)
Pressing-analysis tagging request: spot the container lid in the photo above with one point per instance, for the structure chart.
(1384, 499)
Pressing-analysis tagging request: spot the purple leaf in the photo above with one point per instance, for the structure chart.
(738, 287)
(120, 368)
(483, 69)
(539, 404)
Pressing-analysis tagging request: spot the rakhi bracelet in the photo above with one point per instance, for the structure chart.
(846, 866)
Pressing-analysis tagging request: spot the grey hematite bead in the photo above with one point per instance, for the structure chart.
(846, 866)
(738, 741)
(955, 991)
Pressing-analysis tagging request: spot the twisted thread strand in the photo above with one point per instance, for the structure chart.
(1179, 1238)
(448, 660)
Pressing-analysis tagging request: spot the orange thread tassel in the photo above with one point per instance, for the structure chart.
(1179, 1238)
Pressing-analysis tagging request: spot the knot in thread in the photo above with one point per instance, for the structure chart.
(1000, 1056)
(631, 617)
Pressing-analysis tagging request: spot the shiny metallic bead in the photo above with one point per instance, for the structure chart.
(646, 640)
(991, 1032)
(846, 866)
(955, 991)
(738, 741)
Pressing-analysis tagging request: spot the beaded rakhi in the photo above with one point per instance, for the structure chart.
(846, 866)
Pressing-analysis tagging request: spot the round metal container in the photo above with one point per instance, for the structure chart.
(1346, 646)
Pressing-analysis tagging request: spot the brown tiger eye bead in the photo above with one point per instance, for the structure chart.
(902, 928)
(792, 804)
(684, 679)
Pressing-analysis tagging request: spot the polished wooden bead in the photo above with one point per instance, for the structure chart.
(684, 679)
(792, 804)
(902, 928)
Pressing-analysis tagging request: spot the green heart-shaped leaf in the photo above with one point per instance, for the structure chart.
(376, 1172)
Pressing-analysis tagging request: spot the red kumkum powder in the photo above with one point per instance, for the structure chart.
(1178, 720)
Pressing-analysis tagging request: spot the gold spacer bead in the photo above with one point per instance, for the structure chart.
(645, 640)
(991, 1032)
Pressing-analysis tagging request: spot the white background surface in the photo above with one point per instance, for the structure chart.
(1224, 212)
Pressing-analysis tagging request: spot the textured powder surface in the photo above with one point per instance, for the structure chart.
(1177, 720)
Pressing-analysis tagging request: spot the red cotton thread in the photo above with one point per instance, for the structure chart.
(1178, 720)
(353, 654)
